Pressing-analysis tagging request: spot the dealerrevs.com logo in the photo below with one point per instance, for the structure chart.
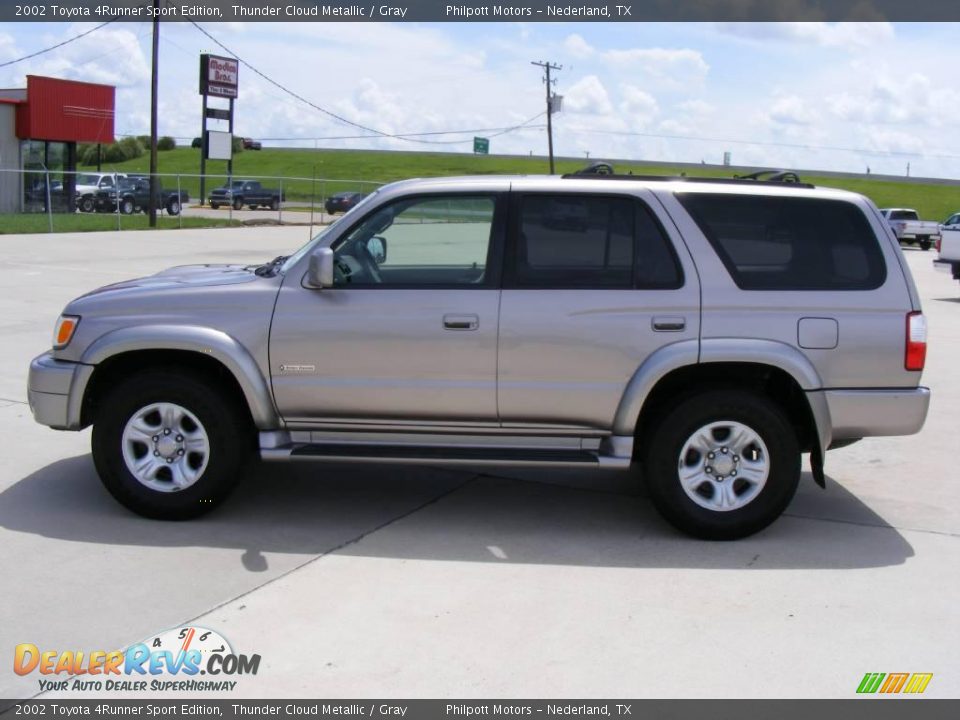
(183, 659)
(894, 683)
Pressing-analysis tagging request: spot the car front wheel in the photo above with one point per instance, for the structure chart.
(169, 446)
(722, 465)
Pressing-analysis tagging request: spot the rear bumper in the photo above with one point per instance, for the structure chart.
(867, 413)
(55, 391)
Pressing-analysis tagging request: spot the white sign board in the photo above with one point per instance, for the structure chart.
(219, 145)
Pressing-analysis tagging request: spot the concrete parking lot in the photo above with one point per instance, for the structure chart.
(407, 582)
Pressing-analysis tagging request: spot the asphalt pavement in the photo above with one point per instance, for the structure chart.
(354, 581)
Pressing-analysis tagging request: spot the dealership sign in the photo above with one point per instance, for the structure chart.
(218, 76)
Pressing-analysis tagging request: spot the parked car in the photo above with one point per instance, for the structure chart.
(948, 248)
(251, 144)
(35, 195)
(245, 192)
(705, 333)
(951, 223)
(342, 201)
(910, 229)
(133, 195)
(89, 184)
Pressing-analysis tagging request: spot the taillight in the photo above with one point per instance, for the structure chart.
(937, 244)
(916, 352)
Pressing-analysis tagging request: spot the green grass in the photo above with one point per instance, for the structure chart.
(82, 222)
(933, 202)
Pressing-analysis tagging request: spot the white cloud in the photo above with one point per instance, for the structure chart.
(638, 107)
(666, 68)
(824, 34)
(792, 110)
(588, 96)
(576, 46)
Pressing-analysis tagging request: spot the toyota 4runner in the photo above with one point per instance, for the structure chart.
(705, 332)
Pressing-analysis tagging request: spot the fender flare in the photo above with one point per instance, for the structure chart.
(215, 344)
(713, 350)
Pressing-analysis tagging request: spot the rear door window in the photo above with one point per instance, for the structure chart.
(789, 243)
(589, 241)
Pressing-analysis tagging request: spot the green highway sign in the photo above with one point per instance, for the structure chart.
(481, 146)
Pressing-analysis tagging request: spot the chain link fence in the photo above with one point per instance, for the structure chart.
(38, 201)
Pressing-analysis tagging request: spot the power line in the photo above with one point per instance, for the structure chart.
(409, 137)
(58, 45)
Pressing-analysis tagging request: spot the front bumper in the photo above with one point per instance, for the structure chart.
(868, 413)
(55, 391)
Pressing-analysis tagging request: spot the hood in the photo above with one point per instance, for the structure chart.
(184, 276)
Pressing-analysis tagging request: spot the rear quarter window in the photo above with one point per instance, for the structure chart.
(789, 243)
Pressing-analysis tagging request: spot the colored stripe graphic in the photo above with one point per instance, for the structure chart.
(918, 682)
(870, 682)
(894, 682)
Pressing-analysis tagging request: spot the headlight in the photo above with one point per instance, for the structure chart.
(63, 331)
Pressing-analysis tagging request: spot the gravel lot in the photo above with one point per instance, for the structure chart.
(407, 582)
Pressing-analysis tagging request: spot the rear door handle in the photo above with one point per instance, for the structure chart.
(669, 324)
(461, 322)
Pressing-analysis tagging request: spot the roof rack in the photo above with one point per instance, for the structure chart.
(777, 178)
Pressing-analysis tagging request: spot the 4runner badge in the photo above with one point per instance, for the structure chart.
(298, 368)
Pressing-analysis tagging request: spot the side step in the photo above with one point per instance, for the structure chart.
(409, 454)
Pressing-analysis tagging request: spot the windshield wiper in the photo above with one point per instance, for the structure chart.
(270, 269)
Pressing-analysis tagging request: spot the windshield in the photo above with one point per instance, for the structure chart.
(316, 239)
(87, 179)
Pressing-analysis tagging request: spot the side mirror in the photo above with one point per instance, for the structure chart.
(320, 273)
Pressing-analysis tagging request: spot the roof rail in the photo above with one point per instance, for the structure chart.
(778, 178)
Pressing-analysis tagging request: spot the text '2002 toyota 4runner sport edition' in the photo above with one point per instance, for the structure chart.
(707, 332)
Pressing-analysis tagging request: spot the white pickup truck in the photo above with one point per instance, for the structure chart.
(909, 228)
(949, 247)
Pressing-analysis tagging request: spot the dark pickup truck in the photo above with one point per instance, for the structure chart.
(133, 195)
(245, 192)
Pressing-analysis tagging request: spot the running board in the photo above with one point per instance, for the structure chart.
(408, 454)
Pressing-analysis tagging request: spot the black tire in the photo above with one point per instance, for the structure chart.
(173, 206)
(275, 204)
(230, 435)
(214, 206)
(238, 204)
(252, 207)
(87, 204)
(662, 460)
(925, 244)
(127, 206)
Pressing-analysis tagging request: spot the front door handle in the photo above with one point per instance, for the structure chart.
(461, 322)
(669, 324)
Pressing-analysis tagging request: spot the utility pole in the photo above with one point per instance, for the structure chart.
(547, 67)
(154, 180)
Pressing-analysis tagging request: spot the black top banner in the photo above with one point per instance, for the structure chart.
(467, 11)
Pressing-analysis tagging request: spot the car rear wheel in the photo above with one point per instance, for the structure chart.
(925, 244)
(173, 207)
(127, 207)
(252, 207)
(169, 446)
(723, 464)
(214, 206)
(238, 204)
(275, 204)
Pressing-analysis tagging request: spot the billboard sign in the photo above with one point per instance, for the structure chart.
(219, 76)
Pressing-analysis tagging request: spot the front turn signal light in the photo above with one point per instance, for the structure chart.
(63, 331)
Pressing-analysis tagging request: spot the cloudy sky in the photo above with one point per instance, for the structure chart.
(803, 95)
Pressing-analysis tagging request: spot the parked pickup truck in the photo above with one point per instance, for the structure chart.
(133, 195)
(949, 248)
(89, 184)
(910, 229)
(245, 192)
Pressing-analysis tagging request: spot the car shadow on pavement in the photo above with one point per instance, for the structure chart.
(533, 517)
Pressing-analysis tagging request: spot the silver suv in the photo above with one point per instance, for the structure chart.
(706, 332)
